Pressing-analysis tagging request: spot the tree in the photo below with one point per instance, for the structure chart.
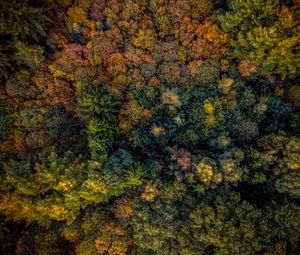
(124, 208)
(58, 123)
(145, 39)
(100, 135)
(112, 240)
(229, 224)
(20, 22)
(289, 183)
(294, 95)
(207, 73)
(95, 101)
(155, 228)
(97, 107)
(247, 130)
(207, 173)
(69, 64)
(265, 33)
(281, 153)
(200, 9)
(31, 56)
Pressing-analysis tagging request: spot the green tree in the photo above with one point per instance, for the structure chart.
(229, 224)
(97, 107)
(20, 23)
(96, 101)
(266, 33)
(155, 228)
(30, 56)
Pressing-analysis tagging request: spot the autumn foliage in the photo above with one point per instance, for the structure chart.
(149, 127)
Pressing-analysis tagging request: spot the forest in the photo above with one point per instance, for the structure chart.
(150, 127)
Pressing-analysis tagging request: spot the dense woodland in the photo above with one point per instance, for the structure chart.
(150, 127)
